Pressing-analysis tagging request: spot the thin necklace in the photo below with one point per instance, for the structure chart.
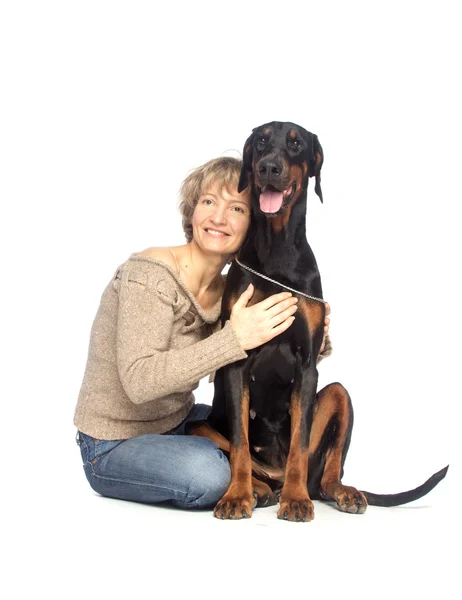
(277, 282)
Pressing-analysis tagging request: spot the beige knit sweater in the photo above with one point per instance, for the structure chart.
(150, 344)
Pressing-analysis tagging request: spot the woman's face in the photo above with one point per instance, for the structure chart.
(221, 219)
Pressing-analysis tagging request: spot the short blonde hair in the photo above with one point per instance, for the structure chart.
(225, 170)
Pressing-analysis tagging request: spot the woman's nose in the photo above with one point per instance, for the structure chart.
(219, 214)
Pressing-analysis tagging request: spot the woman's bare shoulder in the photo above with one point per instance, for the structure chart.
(163, 254)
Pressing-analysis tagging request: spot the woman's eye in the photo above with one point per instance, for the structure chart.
(207, 201)
(238, 209)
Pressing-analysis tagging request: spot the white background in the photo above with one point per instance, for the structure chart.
(105, 107)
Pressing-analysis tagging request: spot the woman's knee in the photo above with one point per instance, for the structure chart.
(209, 474)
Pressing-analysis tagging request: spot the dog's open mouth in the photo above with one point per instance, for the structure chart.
(272, 199)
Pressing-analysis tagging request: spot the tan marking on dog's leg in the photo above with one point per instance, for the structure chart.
(334, 402)
(295, 501)
(207, 431)
(238, 501)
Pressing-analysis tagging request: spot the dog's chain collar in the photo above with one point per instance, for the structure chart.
(277, 282)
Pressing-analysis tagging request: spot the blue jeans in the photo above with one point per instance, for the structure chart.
(186, 471)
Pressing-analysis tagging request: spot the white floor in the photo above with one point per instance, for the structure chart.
(71, 543)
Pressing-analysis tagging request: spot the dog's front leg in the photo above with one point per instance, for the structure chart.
(239, 500)
(295, 503)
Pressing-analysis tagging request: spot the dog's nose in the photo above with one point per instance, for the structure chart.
(269, 168)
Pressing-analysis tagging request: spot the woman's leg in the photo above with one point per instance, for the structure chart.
(188, 472)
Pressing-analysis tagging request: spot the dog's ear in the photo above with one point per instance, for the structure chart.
(316, 164)
(247, 163)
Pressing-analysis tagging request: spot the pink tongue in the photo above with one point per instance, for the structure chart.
(270, 201)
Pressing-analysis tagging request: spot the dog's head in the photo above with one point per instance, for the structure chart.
(278, 159)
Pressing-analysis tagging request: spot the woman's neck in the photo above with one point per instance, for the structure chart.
(200, 272)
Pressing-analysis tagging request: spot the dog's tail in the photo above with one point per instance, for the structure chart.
(409, 496)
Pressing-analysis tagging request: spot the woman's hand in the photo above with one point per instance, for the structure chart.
(257, 324)
(326, 327)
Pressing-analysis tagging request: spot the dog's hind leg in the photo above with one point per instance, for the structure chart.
(204, 429)
(331, 434)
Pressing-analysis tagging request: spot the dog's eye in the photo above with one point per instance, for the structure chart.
(295, 144)
(261, 143)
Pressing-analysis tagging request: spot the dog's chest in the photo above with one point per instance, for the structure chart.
(271, 374)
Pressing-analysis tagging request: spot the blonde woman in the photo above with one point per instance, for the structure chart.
(156, 334)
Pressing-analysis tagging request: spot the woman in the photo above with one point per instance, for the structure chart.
(155, 335)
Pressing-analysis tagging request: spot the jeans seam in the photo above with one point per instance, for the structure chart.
(87, 450)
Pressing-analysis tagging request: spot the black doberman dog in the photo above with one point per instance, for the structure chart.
(266, 411)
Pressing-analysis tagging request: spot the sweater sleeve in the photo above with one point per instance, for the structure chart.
(148, 368)
(326, 351)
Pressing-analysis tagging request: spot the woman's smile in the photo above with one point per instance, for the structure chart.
(216, 232)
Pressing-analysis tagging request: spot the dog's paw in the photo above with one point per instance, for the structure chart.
(231, 507)
(348, 498)
(263, 494)
(300, 509)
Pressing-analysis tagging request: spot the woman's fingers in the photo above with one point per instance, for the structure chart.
(281, 328)
(280, 317)
(326, 319)
(281, 306)
(260, 323)
(257, 324)
(244, 297)
(274, 300)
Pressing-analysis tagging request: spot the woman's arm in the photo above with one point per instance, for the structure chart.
(148, 368)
